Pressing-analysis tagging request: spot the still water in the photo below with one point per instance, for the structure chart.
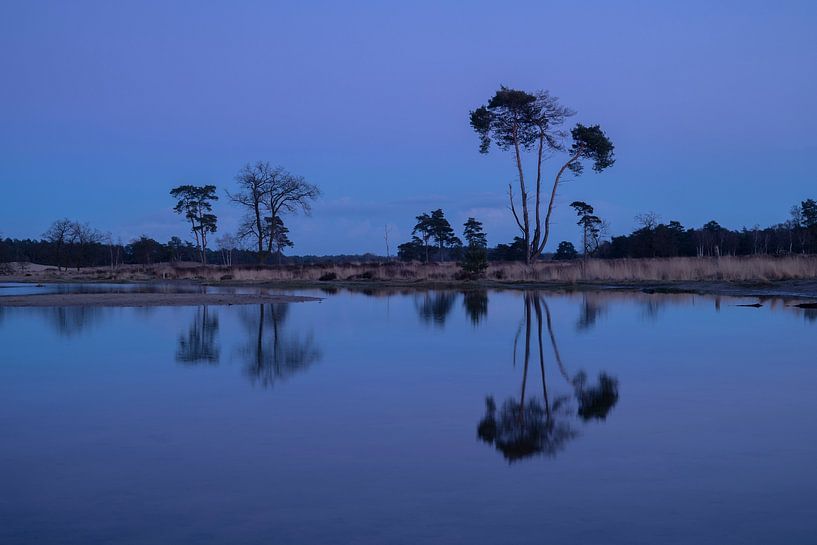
(411, 417)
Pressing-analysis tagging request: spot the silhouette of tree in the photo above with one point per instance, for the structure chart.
(529, 122)
(591, 226)
(474, 234)
(58, 235)
(515, 251)
(266, 194)
(423, 231)
(83, 238)
(280, 238)
(195, 202)
(475, 257)
(415, 249)
(565, 251)
(145, 250)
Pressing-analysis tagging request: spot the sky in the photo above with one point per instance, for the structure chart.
(104, 106)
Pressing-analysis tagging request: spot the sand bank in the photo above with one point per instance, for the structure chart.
(146, 299)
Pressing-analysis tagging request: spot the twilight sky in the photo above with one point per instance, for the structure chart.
(104, 106)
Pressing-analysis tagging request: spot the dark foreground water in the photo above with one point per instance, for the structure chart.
(409, 418)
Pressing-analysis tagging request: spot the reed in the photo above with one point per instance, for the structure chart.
(678, 269)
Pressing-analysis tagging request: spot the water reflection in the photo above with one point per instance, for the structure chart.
(199, 344)
(520, 429)
(271, 352)
(595, 402)
(70, 321)
(475, 303)
(590, 311)
(434, 306)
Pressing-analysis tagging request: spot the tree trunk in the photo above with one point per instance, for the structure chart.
(556, 182)
(537, 229)
(259, 226)
(524, 195)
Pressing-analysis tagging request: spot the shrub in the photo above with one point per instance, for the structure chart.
(474, 262)
(565, 251)
(366, 275)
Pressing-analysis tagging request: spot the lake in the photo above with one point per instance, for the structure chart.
(410, 417)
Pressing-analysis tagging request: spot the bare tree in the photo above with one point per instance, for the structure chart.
(114, 250)
(254, 184)
(226, 244)
(386, 233)
(287, 195)
(58, 235)
(267, 193)
(83, 237)
(647, 220)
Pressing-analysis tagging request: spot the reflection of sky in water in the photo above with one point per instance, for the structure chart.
(355, 420)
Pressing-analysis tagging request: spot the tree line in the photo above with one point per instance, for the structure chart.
(797, 235)
(433, 239)
(70, 243)
(264, 194)
(530, 125)
(433, 234)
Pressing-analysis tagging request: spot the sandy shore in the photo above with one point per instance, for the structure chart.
(145, 299)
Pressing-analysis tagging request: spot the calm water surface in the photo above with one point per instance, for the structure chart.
(411, 417)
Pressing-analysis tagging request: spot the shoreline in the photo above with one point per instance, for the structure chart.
(146, 299)
(786, 289)
(789, 289)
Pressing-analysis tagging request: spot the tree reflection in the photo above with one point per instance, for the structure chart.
(595, 402)
(70, 321)
(521, 429)
(476, 305)
(589, 312)
(199, 345)
(271, 353)
(435, 306)
(653, 306)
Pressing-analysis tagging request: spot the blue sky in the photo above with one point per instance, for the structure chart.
(106, 105)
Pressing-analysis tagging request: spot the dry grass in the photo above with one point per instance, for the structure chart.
(679, 269)
(682, 269)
